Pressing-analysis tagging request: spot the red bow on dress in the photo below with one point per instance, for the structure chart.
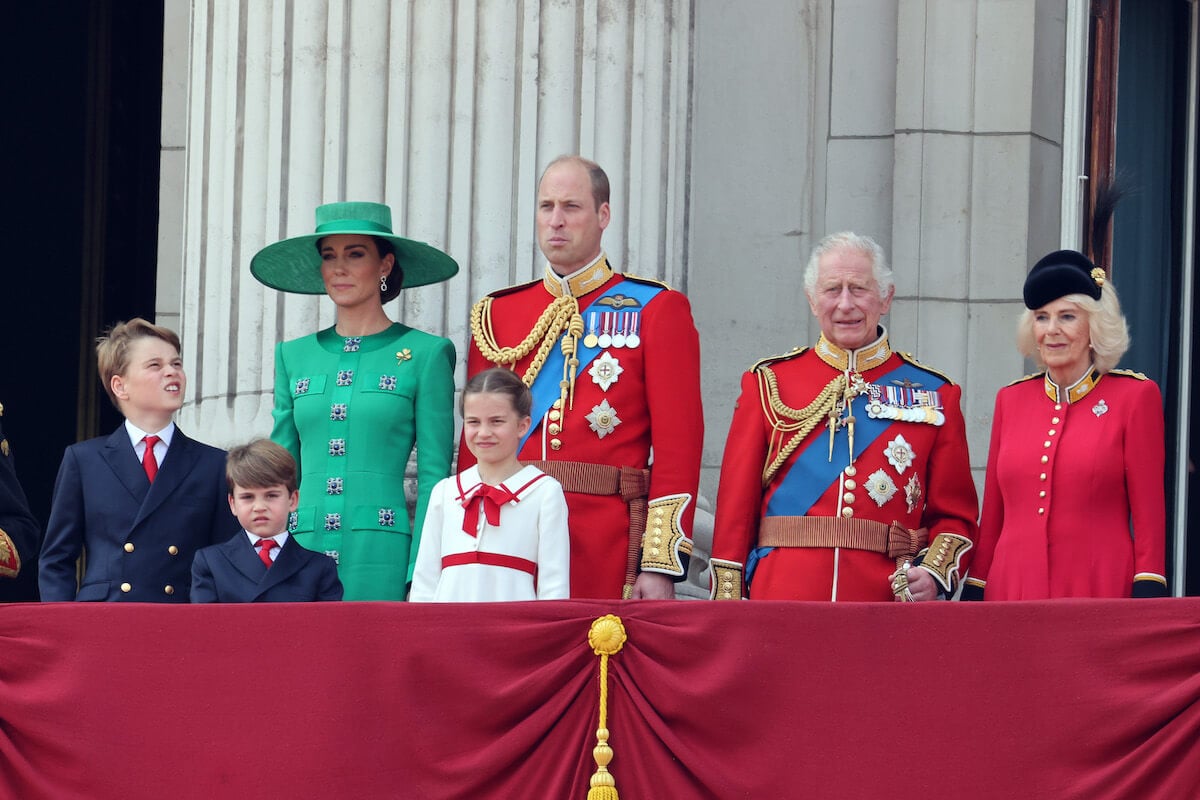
(491, 498)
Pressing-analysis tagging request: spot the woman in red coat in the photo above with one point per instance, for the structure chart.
(1073, 502)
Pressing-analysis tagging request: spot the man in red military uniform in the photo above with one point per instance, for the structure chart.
(846, 464)
(19, 534)
(613, 363)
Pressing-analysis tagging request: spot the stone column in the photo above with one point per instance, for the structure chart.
(976, 185)
(445, 111)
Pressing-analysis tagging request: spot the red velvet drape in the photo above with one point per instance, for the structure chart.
(1091, 699)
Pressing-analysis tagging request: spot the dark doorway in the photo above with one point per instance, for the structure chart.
(1148, 226)
(84, 86)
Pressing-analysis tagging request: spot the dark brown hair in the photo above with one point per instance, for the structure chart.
(499, 380)
(258, 465)
(395, 278)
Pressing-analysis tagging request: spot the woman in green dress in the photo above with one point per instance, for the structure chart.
(352, 400)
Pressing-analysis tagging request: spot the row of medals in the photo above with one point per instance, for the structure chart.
(616, 329)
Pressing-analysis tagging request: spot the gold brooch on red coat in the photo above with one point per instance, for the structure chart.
(603, 419)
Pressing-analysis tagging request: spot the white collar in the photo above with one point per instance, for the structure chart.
(136, 434)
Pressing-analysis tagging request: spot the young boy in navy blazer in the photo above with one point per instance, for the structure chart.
(140, 502)
(262, 563)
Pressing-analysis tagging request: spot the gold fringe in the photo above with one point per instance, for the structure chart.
(606, 638)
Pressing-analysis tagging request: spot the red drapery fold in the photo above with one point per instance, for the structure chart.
(1091, 699)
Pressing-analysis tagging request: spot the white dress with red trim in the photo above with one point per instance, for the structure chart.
(486, 543)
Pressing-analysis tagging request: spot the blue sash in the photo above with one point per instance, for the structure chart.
(546, 389)
(812, 472)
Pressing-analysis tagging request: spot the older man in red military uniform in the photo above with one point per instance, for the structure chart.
(613, 363)
(846, 464)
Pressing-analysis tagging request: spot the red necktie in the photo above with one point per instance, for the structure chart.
(264, 550)
(491, 498)
(149, 462)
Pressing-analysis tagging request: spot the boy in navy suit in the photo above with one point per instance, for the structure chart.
(143, 500)
(262, 563)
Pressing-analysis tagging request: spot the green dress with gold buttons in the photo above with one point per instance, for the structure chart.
(350, 410)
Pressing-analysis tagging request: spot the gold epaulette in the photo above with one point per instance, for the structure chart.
(763, 362)
(911, 359)
(647, 281)
(511, 289)
(1128, 373)
(1029, 377)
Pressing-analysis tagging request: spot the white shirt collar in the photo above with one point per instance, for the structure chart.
(136, 434)
(279, 538)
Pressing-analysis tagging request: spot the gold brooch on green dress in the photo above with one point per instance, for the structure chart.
(403, 355)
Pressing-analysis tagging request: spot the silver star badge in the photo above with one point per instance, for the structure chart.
(605, 370)
(900, 454)
(880, 487)
(1100, 408)
(603, 419)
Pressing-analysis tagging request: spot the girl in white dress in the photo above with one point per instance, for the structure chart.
(498, 530)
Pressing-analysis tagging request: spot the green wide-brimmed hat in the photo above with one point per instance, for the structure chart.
(294, 265)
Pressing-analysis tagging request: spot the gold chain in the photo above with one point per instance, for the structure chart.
(798, 422)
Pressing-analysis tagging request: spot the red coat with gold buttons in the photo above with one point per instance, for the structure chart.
(653, 404)
(916, 473)
(1073, 502)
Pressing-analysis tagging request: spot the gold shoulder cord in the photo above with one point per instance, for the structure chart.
(797, 422)
(562, 315)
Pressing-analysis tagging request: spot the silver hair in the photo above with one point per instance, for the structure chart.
(849, 241)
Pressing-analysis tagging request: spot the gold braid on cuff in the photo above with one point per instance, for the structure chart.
(10, 559)
(942, 559)
(726, 579)
(665, 543)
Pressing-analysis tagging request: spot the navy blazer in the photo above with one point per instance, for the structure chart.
(233, 572)
(138, 538)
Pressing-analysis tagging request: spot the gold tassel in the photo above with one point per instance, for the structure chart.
(606, 637)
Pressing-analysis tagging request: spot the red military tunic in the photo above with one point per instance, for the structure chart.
(1073, 502)
(628, 402)
(910, 467)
